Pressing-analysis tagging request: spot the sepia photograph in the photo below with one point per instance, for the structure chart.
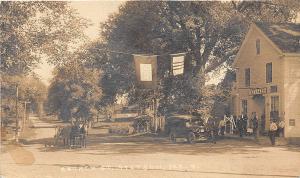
(150, 89)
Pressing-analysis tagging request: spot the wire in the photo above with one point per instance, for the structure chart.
(112, 51)
(164, 54)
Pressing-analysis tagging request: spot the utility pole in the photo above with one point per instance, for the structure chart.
(17, 115)
(155, 112)
(25, 111)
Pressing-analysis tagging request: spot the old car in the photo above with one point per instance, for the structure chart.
(189, 127)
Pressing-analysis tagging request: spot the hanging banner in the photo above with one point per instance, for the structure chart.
(146, 70)
(178, 63)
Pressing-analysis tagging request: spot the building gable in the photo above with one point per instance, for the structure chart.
(285, 35)
(248, 48)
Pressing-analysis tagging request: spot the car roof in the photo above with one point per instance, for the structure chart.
(181, 118)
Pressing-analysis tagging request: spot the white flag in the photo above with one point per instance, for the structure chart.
(146, 70)
(178, 64)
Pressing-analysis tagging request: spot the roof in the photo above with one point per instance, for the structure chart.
(286, 36)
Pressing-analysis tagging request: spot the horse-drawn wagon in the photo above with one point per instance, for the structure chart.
(70, 136)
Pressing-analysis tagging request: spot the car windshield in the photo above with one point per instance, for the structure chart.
(197, 121)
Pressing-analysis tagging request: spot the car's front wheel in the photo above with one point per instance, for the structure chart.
(191, 138)
(173, 137)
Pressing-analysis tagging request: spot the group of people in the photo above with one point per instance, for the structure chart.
(247, 125)
(250, 126)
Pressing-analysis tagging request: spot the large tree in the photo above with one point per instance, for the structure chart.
(210, 33)
(34, 30)
(74, 92)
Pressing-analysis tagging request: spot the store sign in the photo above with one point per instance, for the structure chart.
(258, 91)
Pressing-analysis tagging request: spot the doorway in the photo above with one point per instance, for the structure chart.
(260, 109)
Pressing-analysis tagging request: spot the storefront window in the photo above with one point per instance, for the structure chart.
(274, 107)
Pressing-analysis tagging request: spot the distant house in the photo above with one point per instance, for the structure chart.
(268, 76)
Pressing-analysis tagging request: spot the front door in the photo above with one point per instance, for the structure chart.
(259, 101)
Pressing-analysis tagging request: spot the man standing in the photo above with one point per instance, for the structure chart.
(240, 125)
(244, 123)
(211, 129)
(255, 126)
(281, 125)
(272, 132)
(262, 123)
(222, 127)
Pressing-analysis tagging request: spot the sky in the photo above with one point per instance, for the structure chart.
(96, 12)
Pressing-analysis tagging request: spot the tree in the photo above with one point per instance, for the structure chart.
(74, 92)
(30, 89)
(210, 32)
(34, 30)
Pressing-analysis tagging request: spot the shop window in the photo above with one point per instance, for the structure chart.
(258, 46)
(274, 107)
(247, 77)
(244, 107)
(269, 72)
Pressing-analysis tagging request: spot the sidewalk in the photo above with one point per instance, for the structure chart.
(261, 140)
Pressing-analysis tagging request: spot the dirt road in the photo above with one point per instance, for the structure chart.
(117, 156)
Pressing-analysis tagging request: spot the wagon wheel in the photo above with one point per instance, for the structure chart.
(55, 140)
(191, 138)
(173, 137)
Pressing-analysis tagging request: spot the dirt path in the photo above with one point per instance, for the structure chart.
(119, 156)
(19, 153)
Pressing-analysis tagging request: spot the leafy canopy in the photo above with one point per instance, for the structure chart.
(211, 33)
(34, 30)
(74, 92)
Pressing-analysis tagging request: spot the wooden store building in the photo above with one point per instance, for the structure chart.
(268, 76)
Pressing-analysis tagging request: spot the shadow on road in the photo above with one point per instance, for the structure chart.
(102, 144)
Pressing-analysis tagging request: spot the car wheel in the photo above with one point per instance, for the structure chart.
(173, 137)
(191, 138)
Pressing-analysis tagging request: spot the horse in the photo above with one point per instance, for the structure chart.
(62, 133)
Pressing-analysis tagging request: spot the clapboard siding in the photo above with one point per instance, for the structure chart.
(292, 94)
(285, 76)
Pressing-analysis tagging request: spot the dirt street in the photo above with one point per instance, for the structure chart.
(144, 156)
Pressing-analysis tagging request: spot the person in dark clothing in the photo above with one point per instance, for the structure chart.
(240, 125)
(262, 124)
(255, 126)
(211, 125)
(244, 124)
